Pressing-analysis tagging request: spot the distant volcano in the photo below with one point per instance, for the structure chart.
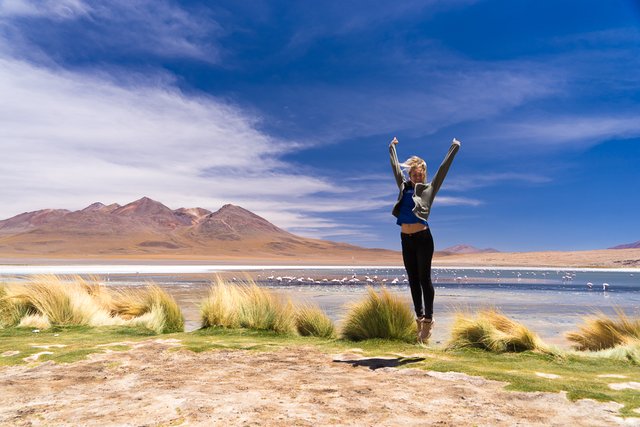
(146, 227)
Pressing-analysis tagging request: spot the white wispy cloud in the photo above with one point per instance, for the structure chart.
(595, 103)
(122, 27)
(457, 201)
(479, 180)
(562, 131)
(337, 19)
(52, 9)
(466, 91)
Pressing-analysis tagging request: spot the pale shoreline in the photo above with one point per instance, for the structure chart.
(616, 259)
(218, 268)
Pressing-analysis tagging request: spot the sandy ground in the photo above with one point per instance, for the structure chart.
(151, 385)
(609, 258)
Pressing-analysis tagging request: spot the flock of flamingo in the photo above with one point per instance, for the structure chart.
(447, 274)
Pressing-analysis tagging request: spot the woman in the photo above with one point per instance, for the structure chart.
(412, 211)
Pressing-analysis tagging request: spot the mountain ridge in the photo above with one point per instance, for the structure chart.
(146, 227)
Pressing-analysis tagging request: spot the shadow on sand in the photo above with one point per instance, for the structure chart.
(374, 363)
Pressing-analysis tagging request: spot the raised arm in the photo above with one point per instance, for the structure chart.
(395, 165)
(438, 178)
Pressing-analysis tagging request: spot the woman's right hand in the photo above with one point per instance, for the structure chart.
(394, 140)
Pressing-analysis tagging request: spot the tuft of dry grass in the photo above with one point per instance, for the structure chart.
(492, 331)
(382, 316)
(49, 300)
(164, 303)
(62, 303)
(221, 307)
(9, 313)
(312, 321)
(246, 305)
(600, 332)
(150, 307)
(129, 302)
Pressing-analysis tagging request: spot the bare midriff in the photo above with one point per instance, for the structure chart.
(413, 228)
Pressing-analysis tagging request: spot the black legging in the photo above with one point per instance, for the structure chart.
(417, 252)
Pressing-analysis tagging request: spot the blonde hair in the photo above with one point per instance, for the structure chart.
(415, 162)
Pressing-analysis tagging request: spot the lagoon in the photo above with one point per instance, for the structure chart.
(549, 301)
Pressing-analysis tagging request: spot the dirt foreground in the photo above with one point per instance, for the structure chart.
(152, 384)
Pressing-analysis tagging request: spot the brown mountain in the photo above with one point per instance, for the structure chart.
(191, 215)
(100, 207)
(234, 223)
(146, 228)
(30, 220)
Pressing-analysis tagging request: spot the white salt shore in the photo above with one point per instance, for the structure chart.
(204, 269)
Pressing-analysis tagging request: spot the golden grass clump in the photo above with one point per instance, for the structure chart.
(492, 331)
(150, 307)
(246, 305)
(61, 303)
(222, 306)
(601, 332)
(100, 294)
(382, 316)
(12, 308)
(164, 303)
(312, 321)
(48, 300)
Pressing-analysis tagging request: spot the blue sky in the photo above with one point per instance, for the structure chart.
(287, 108)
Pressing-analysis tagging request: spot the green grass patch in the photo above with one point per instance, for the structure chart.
(68, 344)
